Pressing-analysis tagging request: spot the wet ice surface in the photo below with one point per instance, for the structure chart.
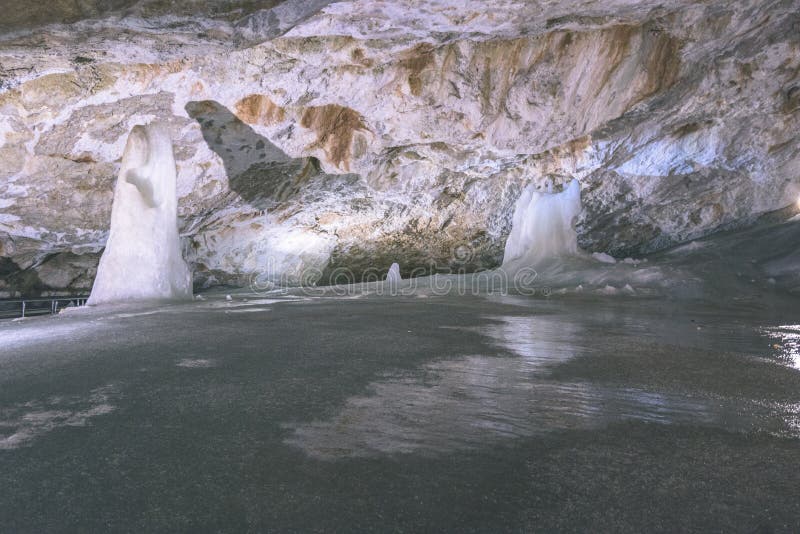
(195, 363)
(787, 342)
(472, 400)
(487, 413)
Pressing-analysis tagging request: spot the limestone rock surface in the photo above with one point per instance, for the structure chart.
(313, 138)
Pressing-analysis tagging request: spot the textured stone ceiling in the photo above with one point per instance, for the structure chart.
(33, 15)
(321, 135)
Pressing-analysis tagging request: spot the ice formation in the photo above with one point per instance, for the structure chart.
(542, 226)
(393, 276)
(602, 257)
(142, 259)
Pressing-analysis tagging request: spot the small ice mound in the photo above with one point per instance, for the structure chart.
(199, 363)
(72, 308)
(688, 247)
(632, 261)
(542, 226)
(607, 290)
(603, 257)
(627, 289)
(393, 276)
(228, 297)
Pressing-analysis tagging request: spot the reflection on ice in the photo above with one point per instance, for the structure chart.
(786, 339)
(792, 418)
(477, 400)
(539, 340)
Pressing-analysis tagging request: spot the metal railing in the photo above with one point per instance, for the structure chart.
(28, 307)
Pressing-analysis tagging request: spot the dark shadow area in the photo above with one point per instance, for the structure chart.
(263, 24)
(63, 273)
(258, 171)
(7, 267)
(23, 281)
(23, 14)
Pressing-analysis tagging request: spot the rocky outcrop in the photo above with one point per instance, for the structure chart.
(313, 138)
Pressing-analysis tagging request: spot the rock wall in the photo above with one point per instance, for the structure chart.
(313, 138)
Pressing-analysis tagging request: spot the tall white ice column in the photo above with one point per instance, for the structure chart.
(542, 226)
(142, 259)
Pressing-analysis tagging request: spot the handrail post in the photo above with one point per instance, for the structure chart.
(23, 309)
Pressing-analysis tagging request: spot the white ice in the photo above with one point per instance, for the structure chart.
(542, 227)
(142, 259)
(393, 276)
(602, 257)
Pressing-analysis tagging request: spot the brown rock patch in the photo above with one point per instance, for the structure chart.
(663, 62)
(415, 61)
(792, 99)
(358, 56)
(335, 126)
(259, 109)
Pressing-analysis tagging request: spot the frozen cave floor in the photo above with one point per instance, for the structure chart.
(462, 413)
(363, 410)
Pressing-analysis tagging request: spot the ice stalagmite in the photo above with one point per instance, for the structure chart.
(142, 259)
(393, 276)
(542, 227)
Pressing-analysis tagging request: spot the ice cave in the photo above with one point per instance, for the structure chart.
(407, 266)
